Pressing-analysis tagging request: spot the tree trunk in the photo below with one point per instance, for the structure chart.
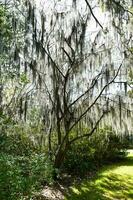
(60, 156)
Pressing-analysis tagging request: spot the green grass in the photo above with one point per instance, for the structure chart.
(114, 182)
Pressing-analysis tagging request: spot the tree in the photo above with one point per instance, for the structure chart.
(74, 70)
(68, 54)
(5, 38)
(13, 79)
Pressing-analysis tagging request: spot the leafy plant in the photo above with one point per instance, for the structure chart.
(21, 176)
(101, 147)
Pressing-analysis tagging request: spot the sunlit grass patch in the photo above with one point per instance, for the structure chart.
(111, 183)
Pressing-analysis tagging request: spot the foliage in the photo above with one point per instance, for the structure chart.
(21, 176)
(24, 167)
(88, 154)
(79, 157)
(17, 145)
(10, 178)
(19, 138)
(5, 25)
(107, 144)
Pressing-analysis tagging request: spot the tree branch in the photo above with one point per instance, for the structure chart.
(84, 113)
(93, 14)
(82, 95)
(90, 133)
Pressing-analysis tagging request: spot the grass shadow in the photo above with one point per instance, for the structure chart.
(111, 183)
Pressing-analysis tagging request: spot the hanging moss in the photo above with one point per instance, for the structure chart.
(16, 54)
(40, 80)
(128, 113)
(33, 66)
(75, 3)
(25, 110)
(38, 47)
(125, 87)
(78, 48)
(82, 36)
(120, 110)
(107, 75)
(30, 14)
(14, 23)
(34, 34)
(25, 67)
(21, 108)
(42, 28)
(113, 6)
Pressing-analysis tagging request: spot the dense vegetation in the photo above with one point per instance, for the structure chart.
(25, 166)
(60, 111)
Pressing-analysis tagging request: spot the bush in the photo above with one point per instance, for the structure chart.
(41, 169)
(106, 143)
(24, 166)
(20, 177)
(80, 158)
(11, 179)
(17, 145)
(19, 138)
(103, 146)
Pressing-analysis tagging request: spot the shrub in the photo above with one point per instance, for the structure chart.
(24, 166)
(41, 169)
(11, 180)
(20, 177)
(17, 145)
(107, 144)
(80, 157)
(18, 138)
(103, 146)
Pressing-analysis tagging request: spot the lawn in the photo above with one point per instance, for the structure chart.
(113, 182)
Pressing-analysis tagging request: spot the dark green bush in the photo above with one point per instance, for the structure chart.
(108, 146)
(24, 167)
(11, 179)
(16, 144)
(80, 157)
(41, 169)
(18, 138)
(20, 177)
(103, 146)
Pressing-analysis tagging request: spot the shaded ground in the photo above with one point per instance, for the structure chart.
(113, 182)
